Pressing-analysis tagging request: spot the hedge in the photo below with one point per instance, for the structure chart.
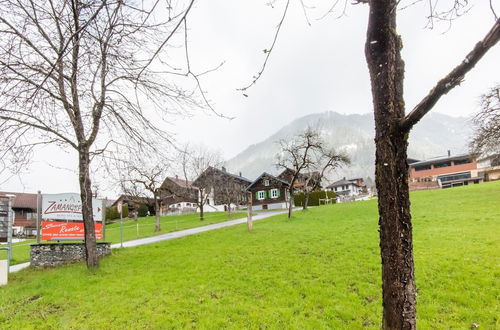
(112, 212)
(314, 197)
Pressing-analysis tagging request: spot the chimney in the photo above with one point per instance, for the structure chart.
(449, 153)
(223, 169)
(240, 174)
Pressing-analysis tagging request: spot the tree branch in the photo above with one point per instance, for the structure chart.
(454, 78)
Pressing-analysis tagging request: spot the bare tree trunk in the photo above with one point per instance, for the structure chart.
(306, 200)
(382, 49)
(88, 217)
(202, 203)
(290, 204)
(157, 213)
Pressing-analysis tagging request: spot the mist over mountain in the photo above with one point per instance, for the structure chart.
(433, 136)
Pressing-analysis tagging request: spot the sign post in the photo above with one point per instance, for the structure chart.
(11, 220)
(120, 207)
(38, 215)
(6, 218)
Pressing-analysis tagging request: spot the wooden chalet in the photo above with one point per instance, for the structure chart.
(134, 202)
(269, 192)
(178, 195)
(222, 188)
(312, 179)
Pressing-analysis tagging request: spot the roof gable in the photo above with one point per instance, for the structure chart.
(267, 175)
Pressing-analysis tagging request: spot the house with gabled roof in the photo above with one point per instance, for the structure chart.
(269, 192)
(222, 189)
(348, 188)
(311, 179)
(178, 195)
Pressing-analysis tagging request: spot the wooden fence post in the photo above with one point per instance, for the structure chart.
(249, 211)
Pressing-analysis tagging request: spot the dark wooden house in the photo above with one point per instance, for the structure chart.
(221, 188)
(269, 192)
(178, 195)
(311, 179)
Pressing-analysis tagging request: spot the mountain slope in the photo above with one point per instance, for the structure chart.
(354, 134)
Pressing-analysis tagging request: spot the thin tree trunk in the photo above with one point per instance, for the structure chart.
(382, 49)
(157, 213)
(306, 200)
(202, 203)
(290, 204)
(88, 217)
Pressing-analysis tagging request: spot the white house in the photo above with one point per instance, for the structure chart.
(348, 188)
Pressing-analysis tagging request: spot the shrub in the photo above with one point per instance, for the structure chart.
(142, 211)
(112, 212)
(314, 197)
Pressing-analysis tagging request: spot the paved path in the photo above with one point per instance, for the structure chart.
(174, 234)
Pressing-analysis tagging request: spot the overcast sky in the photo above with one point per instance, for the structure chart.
(313, 68)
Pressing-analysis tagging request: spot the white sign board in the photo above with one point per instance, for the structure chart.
(68, 207)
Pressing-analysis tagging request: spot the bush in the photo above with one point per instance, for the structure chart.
(314, 197)
(125, 210)
(142, 211)
(112, 212)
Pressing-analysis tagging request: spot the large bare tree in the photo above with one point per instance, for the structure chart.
(486, 138)
(193, 162)
(142, 178)
(307, 151)
(85, 74)
(392, 128)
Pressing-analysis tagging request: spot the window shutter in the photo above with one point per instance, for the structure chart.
(279, 192)
(256, 195)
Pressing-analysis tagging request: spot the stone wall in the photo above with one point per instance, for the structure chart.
(55, 254)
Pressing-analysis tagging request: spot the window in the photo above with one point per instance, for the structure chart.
(261, 195)
(440, 165)
(275, 193)
(462, 161)
(422, 168)
(456, 176)
(266, 182)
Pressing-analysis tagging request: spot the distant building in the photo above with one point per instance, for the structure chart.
(134, 202)
(222, 188)
(448, 171)
(489, 167)
(25, 213)
(178, 196)
(348, 188)
(312, 179)
(268, 192)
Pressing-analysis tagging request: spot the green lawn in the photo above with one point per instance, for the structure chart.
(143, 227)
(321, 269)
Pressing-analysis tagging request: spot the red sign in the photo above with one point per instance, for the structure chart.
(54, 230)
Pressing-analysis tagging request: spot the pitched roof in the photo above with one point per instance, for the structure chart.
(180, 182)
(225, 173)
(341, 183)
(22, 200)
(269, 175)
(440, 159)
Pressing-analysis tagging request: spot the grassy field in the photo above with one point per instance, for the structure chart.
(321, 269)
(143, 227)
